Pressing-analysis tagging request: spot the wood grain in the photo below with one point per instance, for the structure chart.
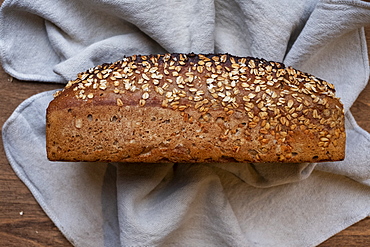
(24, 223)
(33, 228)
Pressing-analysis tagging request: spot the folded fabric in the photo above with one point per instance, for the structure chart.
(101, 204)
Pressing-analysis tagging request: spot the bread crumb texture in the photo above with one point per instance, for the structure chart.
(195, 108)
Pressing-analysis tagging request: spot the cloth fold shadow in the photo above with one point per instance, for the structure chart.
(264, 175)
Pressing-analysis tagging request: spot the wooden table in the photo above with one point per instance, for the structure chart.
(24, 223)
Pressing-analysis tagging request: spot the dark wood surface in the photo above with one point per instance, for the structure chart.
(23, 222)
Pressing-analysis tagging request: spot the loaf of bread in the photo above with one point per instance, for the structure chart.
(195, 108)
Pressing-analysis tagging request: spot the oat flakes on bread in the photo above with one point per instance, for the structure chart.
(195, 108)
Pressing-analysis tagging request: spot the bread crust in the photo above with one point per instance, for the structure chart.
(195, 108)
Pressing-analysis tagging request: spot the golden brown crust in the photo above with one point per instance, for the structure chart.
(195, 108)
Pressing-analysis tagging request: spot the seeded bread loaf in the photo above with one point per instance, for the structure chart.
(195, 108)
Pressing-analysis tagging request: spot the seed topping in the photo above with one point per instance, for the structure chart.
(270, 97)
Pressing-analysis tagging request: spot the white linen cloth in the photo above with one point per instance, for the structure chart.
(101, 204)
